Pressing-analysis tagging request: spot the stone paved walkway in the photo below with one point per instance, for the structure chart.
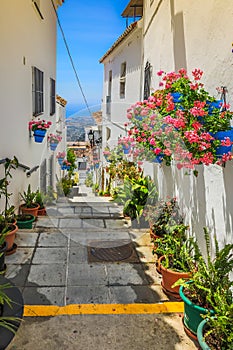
(54, 264)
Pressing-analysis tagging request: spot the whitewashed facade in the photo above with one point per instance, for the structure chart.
(182, 34)
(28, 39)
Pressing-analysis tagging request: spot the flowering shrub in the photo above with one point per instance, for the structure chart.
(54, 138)
(39, 124)
(179, 122)
(61, 155)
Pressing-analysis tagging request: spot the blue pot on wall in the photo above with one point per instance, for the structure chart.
(53, 146)
(126, 149)
(63, 167)
(220, 135)
(60, 160)
(39, 135)
(177, 97)
(158, 159)
(213, 105)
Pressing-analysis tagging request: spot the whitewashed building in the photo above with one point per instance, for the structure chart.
(177, 34)
(28, 89)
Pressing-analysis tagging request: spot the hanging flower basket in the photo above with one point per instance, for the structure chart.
(39, 128)
(226, 138)
(53, 146)
(39, 135)
(60, 160)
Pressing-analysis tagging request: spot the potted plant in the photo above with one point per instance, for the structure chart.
(40, 199)
(25, 221)
(178, 254)
(29, 206)
(11, 311)
(135, 194)
(211, 274)
(161, 216)
(216, 332)
(60, 156)
(8, 228)
(53, 140)
(39, 128)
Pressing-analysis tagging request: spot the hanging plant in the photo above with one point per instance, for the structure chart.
(39, 128)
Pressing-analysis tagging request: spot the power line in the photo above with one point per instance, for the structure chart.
(71, 59)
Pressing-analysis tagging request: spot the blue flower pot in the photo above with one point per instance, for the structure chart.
(39, 135)
(53, 146)
(138, 117)
(213, 105)
(63, 167)
(60, 161)
(126, 149)
(177, 97)
(97, 166)
(220, 150)
(158, 159)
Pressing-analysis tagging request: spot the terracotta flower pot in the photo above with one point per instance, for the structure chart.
(33, 211)
(169, 277)
(10, 238)
(41, 212)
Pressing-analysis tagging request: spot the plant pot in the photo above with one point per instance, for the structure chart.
(53, 146)
(16, 310)
(27, 223)
(60, 160)
(200, 335)
(220, 150)
(158, 159)
(10, 238)
(2, 257)
(213, 105)
(192, 313)
(39, 135)
(41, 212)
(169, 277)
(177, 97)
(33, 211)
(126, 149)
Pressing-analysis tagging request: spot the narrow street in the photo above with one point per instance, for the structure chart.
(90, 280)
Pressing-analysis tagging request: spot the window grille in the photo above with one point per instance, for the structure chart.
(147, 80)
(37, 91)
(52, 96)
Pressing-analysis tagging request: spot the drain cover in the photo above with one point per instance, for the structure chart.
(111, 250)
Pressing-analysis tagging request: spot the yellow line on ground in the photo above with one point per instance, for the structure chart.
(102, 309)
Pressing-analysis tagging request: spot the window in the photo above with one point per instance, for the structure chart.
(108, 98)
(147, 80)
(52, 97)
(37, 91)
(122, 80)
(36, 4)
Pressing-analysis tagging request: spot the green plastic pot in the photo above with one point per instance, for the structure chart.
(192, 313)
(200, 335)
(26, 224)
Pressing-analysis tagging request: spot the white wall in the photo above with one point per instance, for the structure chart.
(129, 51)
(26, 40)
(195, 34)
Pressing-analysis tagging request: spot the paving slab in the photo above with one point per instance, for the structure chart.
(52, 239)
(26, 238)
(69, 222)
(23, 255)
(86, 275)
(44, 295)
(88, 294)
(49, 275)
(53, 255)
(126, 274)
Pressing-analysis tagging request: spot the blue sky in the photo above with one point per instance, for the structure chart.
(90, 27)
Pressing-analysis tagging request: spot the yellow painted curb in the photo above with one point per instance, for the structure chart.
(102, 309)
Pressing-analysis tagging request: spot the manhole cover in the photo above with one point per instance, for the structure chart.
(111, 251)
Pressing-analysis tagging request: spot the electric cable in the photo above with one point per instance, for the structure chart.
(71, 59)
